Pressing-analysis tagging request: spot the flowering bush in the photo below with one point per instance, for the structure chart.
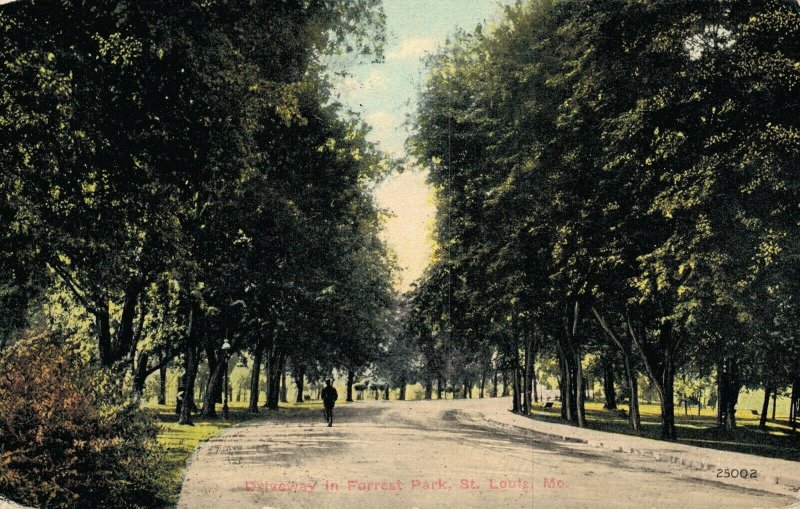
(69, 434)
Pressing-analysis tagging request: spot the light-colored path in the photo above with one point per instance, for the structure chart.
(433, 454)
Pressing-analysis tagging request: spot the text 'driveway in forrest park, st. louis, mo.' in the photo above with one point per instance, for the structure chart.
(438, 484)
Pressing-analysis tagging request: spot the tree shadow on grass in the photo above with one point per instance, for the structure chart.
(700, 431)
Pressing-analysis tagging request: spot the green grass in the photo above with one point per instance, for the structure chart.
(776, 441)
(179, 441)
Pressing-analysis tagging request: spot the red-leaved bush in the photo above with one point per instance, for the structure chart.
(69, 434)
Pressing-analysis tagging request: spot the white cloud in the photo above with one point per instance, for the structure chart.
(348, 85)
(387, 131)
(381, 120)
(412, 48)
(374, 82)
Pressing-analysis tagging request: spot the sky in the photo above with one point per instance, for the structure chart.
(386, 94)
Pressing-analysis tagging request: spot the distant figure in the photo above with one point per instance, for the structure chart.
(329, 397)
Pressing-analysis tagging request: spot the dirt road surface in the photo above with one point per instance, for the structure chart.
(432, 454)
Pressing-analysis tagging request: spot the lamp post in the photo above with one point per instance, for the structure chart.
(225, 352)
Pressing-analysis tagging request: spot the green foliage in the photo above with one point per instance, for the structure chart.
(176, 175)
(628, 163)
(70, 436)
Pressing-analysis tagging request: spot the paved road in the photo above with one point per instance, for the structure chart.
(432, 454)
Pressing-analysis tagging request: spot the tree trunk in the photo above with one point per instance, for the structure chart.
(402, 396)
(124, 336)
(429, 388)
(273, 375)
(762, 423)
(732, 400)
(728, 387)
(626, 346)
(563, 386)
(162, 386)
(439, 388)
(200, 384)
(668, 405)
(213, 388)
(255, 375)
(351, 378)
(283, 384)
(580, 389)
(574, 350)
(608, 384)
(661, 371)
(493, 393)
(213, 361)
(505, 384)
(634, 418)
(278, 374)
(699, 401)
(299, 373)
(268, 366)
(517, 394)
(666, 391)
(140, 373)
(569, 387)
(483, 384)
(794, 407)
(685, 397)
(191, 365)
(277, 361)
(528, 375)
(218, 389)
(721, 392)
(774, 402)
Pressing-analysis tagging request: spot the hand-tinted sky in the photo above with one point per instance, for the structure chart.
(386, 94)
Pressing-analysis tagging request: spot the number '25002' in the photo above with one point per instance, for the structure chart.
(734, 473)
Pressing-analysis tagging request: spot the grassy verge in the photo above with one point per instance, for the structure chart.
(179, 441)
(776, 441)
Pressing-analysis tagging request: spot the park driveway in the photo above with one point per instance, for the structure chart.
(434, 454)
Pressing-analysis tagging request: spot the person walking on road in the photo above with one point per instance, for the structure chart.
(329, 397)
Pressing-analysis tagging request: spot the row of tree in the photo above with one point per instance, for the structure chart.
(175, 175)
(617, 179)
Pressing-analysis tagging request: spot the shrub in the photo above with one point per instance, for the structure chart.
(69, 434)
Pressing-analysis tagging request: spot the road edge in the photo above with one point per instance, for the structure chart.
(693, 458)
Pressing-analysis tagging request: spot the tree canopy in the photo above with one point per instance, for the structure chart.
(619, 175)
(178, 175)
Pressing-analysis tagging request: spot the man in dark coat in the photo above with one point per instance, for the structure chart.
(329, 397)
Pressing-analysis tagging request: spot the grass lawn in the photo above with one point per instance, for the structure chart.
(776, 441)
(179, 441)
